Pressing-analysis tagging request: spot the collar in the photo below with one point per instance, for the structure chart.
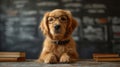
(58, 42)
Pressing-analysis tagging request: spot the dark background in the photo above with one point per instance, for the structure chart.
(98, 31)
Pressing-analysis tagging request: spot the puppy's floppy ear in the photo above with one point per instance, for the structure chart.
(72, 23)
(43, 24)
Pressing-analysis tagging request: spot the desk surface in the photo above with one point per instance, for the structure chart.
(82, 63)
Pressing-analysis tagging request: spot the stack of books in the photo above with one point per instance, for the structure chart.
(12, 56)
(106, 57)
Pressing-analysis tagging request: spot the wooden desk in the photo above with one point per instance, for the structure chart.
(82, 63)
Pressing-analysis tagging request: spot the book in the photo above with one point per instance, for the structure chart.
(12, 59)
(105, 55)
(107, 59)
(12, 54)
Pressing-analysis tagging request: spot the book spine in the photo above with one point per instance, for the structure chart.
(107, 59)
(105, 55)
(12, 54)
(13, 59)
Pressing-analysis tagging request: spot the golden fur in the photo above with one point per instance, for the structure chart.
(52, 53)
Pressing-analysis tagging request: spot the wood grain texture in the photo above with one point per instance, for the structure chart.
(81, 63)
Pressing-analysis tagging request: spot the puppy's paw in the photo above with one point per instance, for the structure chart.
(65, 58)
(50, 59)
(39, 61)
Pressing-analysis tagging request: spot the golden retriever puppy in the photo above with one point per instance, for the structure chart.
(58, 46)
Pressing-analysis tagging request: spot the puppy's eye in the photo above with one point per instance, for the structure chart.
(63, 18)
(51, 19)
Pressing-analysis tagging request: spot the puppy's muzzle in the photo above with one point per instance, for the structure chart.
(57, 27)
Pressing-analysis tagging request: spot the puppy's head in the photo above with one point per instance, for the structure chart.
(58, 24)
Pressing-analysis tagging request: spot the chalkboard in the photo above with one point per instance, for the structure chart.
(98, 30)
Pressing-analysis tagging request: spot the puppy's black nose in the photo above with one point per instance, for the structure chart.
(57, 27)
